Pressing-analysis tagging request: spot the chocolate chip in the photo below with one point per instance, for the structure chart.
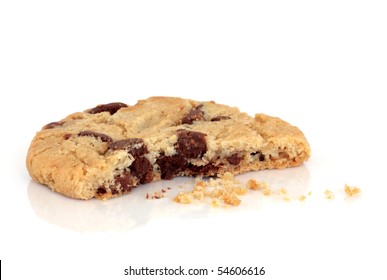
(234, 159)
(67, 136)
(134, 146)
(195, 114)
(220, 118)
(191, 144)
(142, 169)
(101, 190)
(101, 136)
(147, 178)
(261, 156)
(53, 124)
(205, 170)
(125, 180)
(170, 166)
(114, 190)
(112, 108)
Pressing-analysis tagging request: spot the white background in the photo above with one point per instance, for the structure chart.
(321, 65)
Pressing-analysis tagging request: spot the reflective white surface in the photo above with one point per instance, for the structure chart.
(133, 211)
(321, 67)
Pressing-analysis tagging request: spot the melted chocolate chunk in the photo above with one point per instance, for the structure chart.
(125, 180)
(134, 146)
(191, 144)
(114, 190)
(101, 136)
(171, 166)
(195, 114)
(205, 170)
(53, 124)
(112, 108)
(67, 136)
(147, 178)
(142, 169)
(101, 190)
(234, 159)
(220, 118)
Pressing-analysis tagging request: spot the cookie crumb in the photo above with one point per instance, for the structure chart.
(267, 192)
(329, 194)
(283, 191)
(351, 191)
(256, 185)
(215, 203)
(240, 190)
(286, 198)
(302, 198)
(222, 191)
(231, 199)
(184, 198)
(156, 195)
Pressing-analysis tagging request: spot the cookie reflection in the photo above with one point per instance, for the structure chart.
(134, 210)
(118, 214)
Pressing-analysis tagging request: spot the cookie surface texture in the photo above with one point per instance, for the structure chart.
(105, 151)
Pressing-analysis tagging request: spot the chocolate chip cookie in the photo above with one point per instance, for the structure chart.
(105, 151)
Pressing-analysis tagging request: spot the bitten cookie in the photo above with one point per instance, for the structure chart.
(105, 151)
